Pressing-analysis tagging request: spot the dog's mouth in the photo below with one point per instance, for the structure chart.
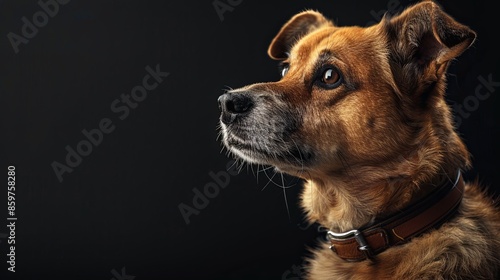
(260, 149)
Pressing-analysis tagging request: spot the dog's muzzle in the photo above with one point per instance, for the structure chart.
(260, 127)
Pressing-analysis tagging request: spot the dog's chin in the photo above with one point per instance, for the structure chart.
(291, 161)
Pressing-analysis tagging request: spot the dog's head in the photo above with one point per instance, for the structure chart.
(349, 96)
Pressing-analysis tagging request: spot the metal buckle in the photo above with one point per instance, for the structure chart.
(358, 236)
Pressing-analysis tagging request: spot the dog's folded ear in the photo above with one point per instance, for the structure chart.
(425, 38)
(298, 26)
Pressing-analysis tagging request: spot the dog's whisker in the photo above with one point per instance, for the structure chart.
(273, 182)
(284, 196)
(270, 180)
(239, 168)
(257, 173)
(222, 149)
(266, 168)
(445, 174)
(251, 169)
(234, 164)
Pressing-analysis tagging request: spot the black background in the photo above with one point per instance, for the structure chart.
(118, 210)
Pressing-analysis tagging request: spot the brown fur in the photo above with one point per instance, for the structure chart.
(378, 142)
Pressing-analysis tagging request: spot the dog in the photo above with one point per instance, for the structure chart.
(360, 115)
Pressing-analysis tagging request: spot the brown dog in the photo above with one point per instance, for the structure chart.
(360, 115)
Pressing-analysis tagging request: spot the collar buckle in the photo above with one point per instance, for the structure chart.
(358, 236)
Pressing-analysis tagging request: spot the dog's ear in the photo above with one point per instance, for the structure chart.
(298, 26)
(423, 39)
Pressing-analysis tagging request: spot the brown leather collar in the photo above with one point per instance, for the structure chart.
(431, 212)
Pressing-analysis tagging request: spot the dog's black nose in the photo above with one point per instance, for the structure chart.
(234, 104)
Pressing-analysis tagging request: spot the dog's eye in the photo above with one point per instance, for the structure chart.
(330, 77)
(284, 70)
(284, 66)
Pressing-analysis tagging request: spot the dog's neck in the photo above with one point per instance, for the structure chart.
(349, 200)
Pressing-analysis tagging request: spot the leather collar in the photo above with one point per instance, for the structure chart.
(430, 212)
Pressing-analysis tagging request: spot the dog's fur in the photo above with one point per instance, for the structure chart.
(371, 137)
